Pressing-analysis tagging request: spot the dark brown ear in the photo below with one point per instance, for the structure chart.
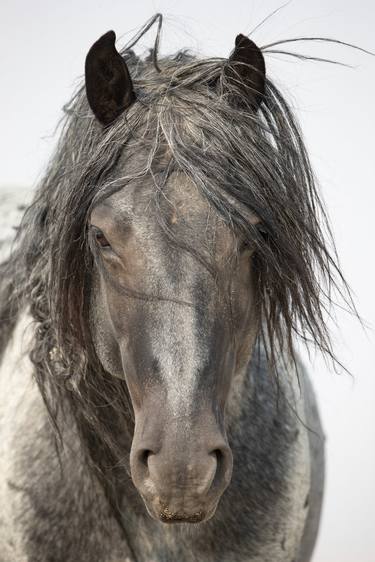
(246, 68)
(109, 87)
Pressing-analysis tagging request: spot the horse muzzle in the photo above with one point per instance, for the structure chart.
(180, 472)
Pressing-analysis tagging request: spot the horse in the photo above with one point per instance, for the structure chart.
(153, 404)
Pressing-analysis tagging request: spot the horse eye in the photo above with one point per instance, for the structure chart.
(243, 246)
(100, 239)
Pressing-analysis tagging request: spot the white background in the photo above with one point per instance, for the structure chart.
(43, 44)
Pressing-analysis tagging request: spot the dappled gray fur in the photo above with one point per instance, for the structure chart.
(54, 508)
(244, 163)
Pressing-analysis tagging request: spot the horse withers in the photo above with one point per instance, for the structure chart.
(152, 405)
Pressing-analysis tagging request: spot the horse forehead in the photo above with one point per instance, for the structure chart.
(139, 196)
(185, 196)
(179, 204)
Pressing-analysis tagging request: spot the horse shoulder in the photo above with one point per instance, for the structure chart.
(52, 508)
(314, 499)
(307, 472)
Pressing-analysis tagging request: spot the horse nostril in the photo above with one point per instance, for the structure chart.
(143, 456)
(217, 453)
(223, 466)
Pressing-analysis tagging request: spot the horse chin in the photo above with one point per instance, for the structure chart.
(163, 514)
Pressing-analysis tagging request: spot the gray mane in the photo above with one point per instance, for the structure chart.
(243, 162)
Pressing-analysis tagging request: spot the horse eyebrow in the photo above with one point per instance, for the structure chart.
(104, 203)
(112, 206)
(116, 217)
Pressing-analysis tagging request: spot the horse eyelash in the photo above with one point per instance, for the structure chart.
(95, 234)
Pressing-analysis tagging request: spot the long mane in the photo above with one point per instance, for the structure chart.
(243, 163)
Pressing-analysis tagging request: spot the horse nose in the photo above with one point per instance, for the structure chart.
(182, 483)
(195, 473)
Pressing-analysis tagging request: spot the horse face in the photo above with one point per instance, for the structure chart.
(172, 314)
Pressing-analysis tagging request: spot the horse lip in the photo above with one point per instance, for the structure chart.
(167, 516)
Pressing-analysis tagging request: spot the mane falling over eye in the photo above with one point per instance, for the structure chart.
(224, 125)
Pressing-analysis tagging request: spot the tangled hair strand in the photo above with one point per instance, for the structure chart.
(243, 162)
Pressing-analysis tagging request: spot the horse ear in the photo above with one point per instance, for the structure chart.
(246, 68)
(109, 87)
